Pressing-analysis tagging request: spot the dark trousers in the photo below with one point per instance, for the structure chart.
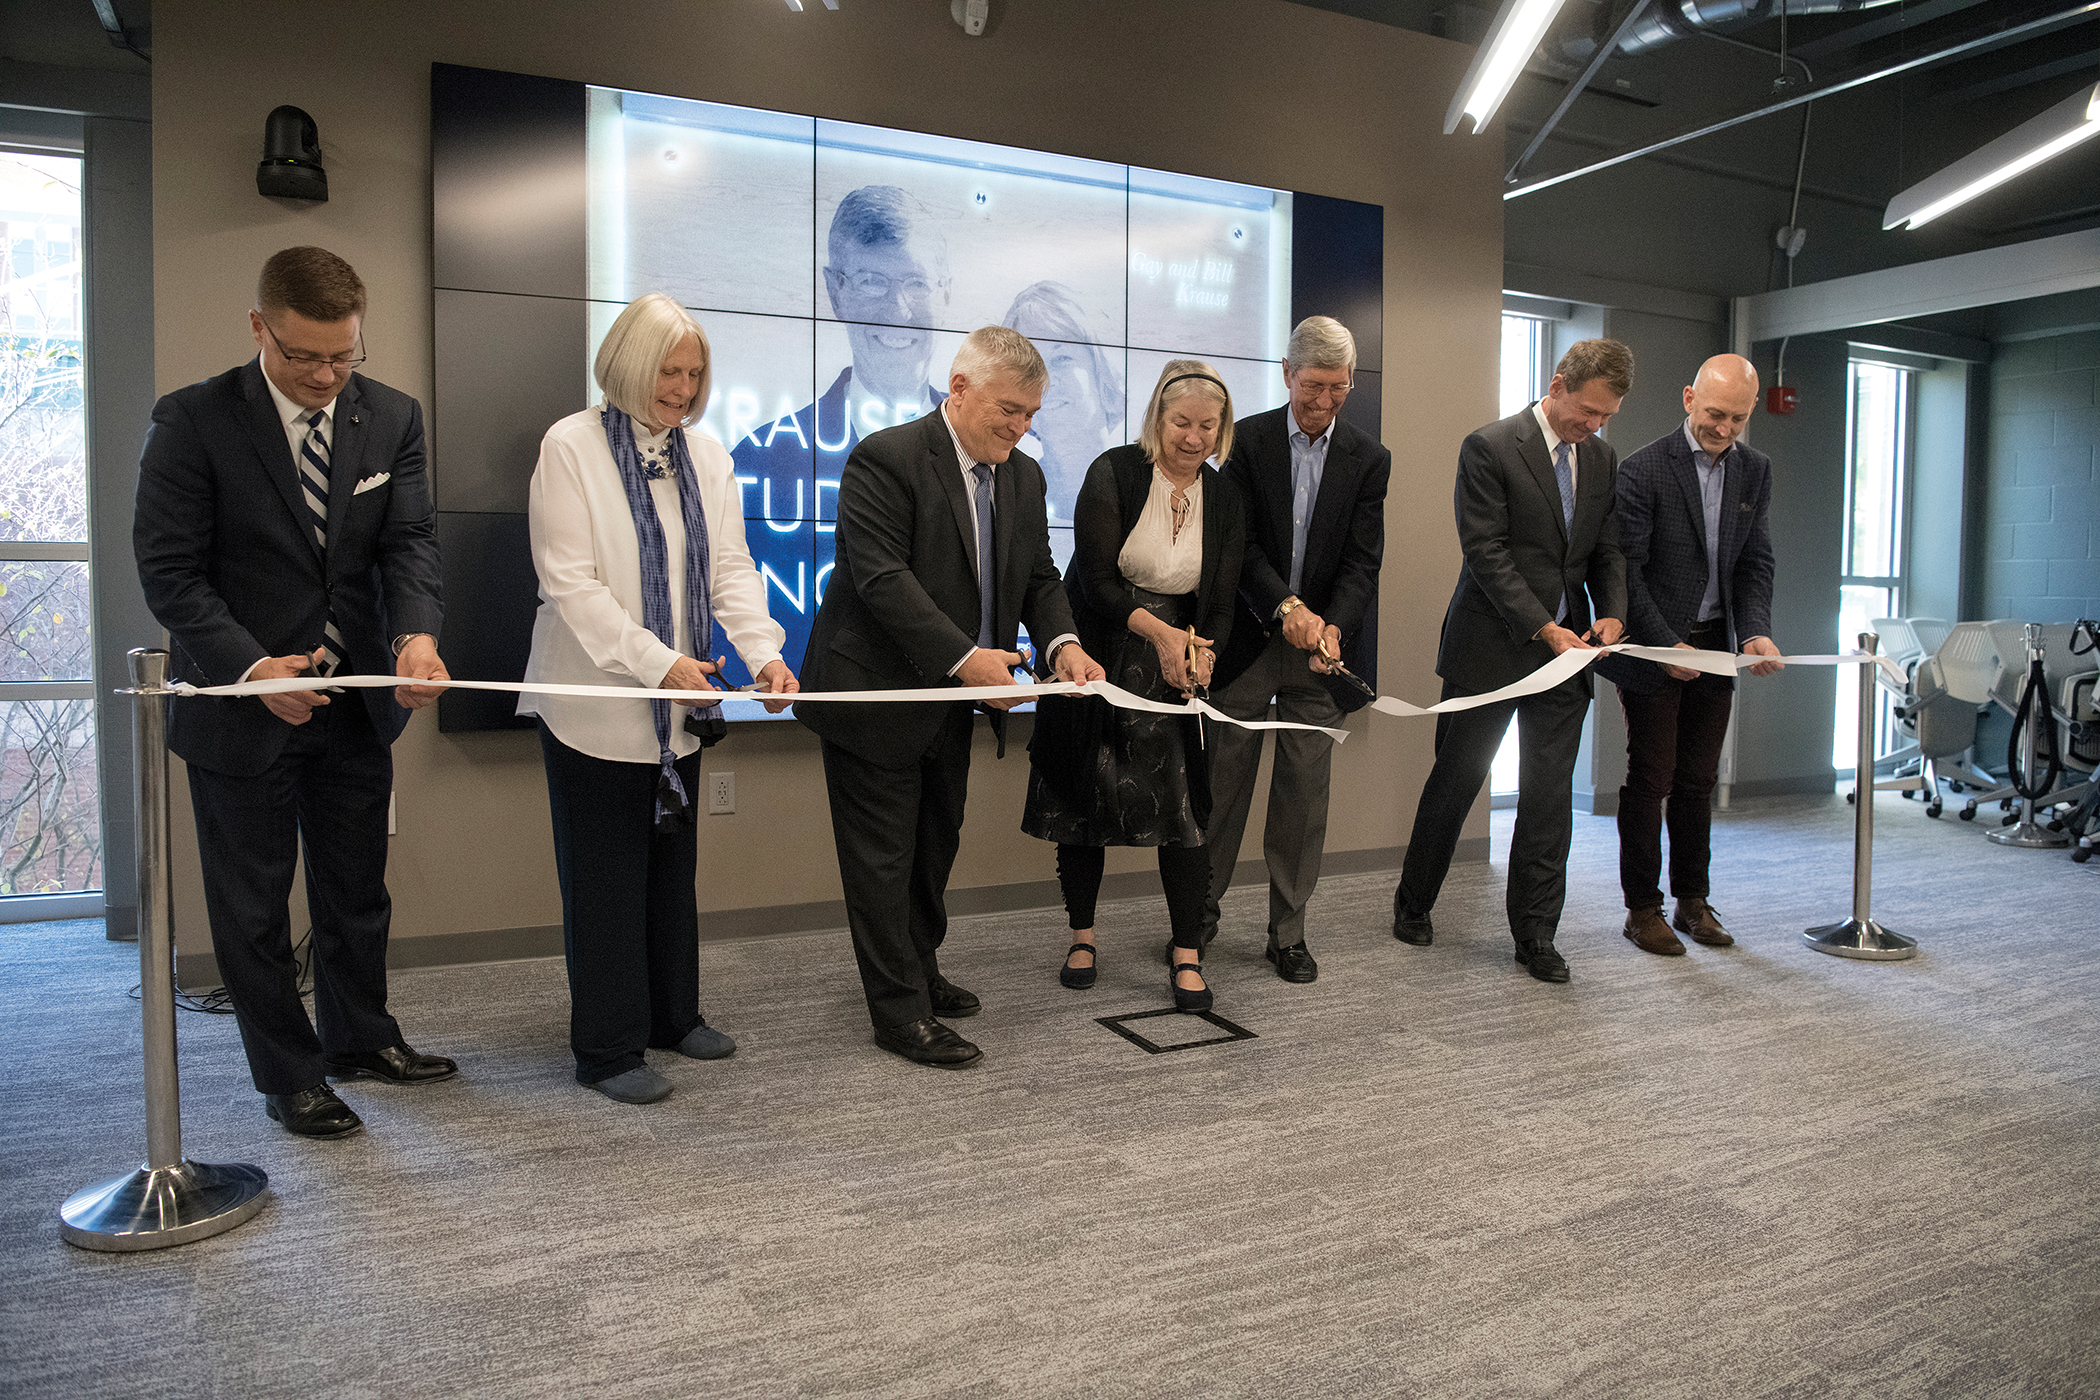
(630, 924)
(1549, 732)
(897, 831)
(1673, 756)
(327, 791)
(1184, 873)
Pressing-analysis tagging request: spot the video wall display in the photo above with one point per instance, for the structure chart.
(836, 269)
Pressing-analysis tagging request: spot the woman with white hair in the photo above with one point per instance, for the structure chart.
(1157, 540)
(638, 539)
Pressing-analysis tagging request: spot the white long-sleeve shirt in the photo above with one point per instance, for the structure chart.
(589, 630)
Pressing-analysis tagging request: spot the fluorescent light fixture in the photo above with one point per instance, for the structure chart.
(1501, 56)
(2075, 119)
(795, 5)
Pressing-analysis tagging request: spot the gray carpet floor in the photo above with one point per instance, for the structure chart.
(1751, 1172)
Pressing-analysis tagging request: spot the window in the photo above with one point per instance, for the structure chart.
(1877, 452)
(1527, 361)
(50, 832)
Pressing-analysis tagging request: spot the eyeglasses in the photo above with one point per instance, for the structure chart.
(877, 286)
(332, 363)
(1324, 393)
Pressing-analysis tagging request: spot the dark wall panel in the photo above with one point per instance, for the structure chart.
(491, 594)
(1338, 269)
(507, 181)
(507, 368)
(1364, 404)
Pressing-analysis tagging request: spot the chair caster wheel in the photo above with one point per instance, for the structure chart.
(1851, 799)
(1932, 810)
(2081, 855)
(1968, 813)
(2008, 819)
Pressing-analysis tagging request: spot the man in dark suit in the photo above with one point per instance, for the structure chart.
(1315, 492)
(1694, 511)
(943, 555)
(284, 528)
(1542, 574)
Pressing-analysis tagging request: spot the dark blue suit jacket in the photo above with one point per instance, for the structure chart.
(1344, 544)
(227, 555)
(1662, 529)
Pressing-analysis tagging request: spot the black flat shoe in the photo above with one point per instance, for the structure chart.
(1198, 1000)
(1295, 963)
(396, 1064)
(313, 1113)
(927, 1042)
(950, 1000)
(1080, 978)
(1543, 960)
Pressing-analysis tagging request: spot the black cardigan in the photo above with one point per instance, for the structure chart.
(1109, 505)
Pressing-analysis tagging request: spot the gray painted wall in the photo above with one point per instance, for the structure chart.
(2040, 535)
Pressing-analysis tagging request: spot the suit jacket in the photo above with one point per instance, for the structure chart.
(1520, 554)
(1344, 544)
(901, 607)
(227, 555)
(1662, 528)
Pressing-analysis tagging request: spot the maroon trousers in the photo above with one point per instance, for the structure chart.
(1673, 757)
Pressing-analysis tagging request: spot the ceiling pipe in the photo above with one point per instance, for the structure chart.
(2011, 34)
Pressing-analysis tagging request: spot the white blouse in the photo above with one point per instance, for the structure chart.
(1154, 557)
(588, 630)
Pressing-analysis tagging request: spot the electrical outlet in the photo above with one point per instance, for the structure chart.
(721, 794)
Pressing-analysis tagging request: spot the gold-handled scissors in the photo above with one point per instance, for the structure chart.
(1200, 692)
(1337, 669)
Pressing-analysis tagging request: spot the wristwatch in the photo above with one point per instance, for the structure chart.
(1288, 606)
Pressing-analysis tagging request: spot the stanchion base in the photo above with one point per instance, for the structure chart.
(1860, 939)
(2029, 836)
(149, 1209)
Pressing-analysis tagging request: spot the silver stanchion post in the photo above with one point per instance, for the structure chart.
(1859, 936)
(168, 1200)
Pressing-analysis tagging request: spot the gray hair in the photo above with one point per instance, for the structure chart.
(1321, 342)
(884, 216)
(1168, 392)
(990, 351)
(634, 350)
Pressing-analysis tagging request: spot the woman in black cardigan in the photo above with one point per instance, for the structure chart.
(1155, 569)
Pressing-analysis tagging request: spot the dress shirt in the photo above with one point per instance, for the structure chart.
(969, 464)
(1308, 465)
(297, 421)
(1553, 442)
(1713, 477)
(588, 630)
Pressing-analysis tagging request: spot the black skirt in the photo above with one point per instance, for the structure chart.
(1102, 776)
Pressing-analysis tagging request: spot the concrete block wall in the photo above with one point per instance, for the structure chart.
(2041, 528)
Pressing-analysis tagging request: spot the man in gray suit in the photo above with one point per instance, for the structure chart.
(1693, 520)
(1535, 502)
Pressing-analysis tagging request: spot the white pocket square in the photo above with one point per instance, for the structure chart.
(371, 481)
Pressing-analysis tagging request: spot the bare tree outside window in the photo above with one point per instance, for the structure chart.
(50, 832)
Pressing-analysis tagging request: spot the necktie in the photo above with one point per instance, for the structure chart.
(313, 480)
(983, 494)
(1564, 473)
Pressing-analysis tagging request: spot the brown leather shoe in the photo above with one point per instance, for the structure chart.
(1647, 931)
(1697, 918)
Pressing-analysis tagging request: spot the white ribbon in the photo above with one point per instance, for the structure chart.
(1553, 673)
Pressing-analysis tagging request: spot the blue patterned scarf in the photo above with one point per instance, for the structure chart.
(674, 806)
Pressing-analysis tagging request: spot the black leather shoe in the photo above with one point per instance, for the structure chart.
(927, 1042)
(1080, 978)
(1544, 961)
(313, 1113)
(1295, 963)
(1184, 999)
(950, 1000)
(1410, 927)
(397, 1064)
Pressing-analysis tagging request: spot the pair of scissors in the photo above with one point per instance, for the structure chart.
(1200, 692)
(1336, 668)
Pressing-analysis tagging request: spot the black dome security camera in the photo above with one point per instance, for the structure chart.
(291, 163)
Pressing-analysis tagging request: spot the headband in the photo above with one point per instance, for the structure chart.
(1213, 379)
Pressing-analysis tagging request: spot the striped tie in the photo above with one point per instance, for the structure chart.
(313, 478)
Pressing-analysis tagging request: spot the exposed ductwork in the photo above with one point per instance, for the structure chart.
(1667, 21)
